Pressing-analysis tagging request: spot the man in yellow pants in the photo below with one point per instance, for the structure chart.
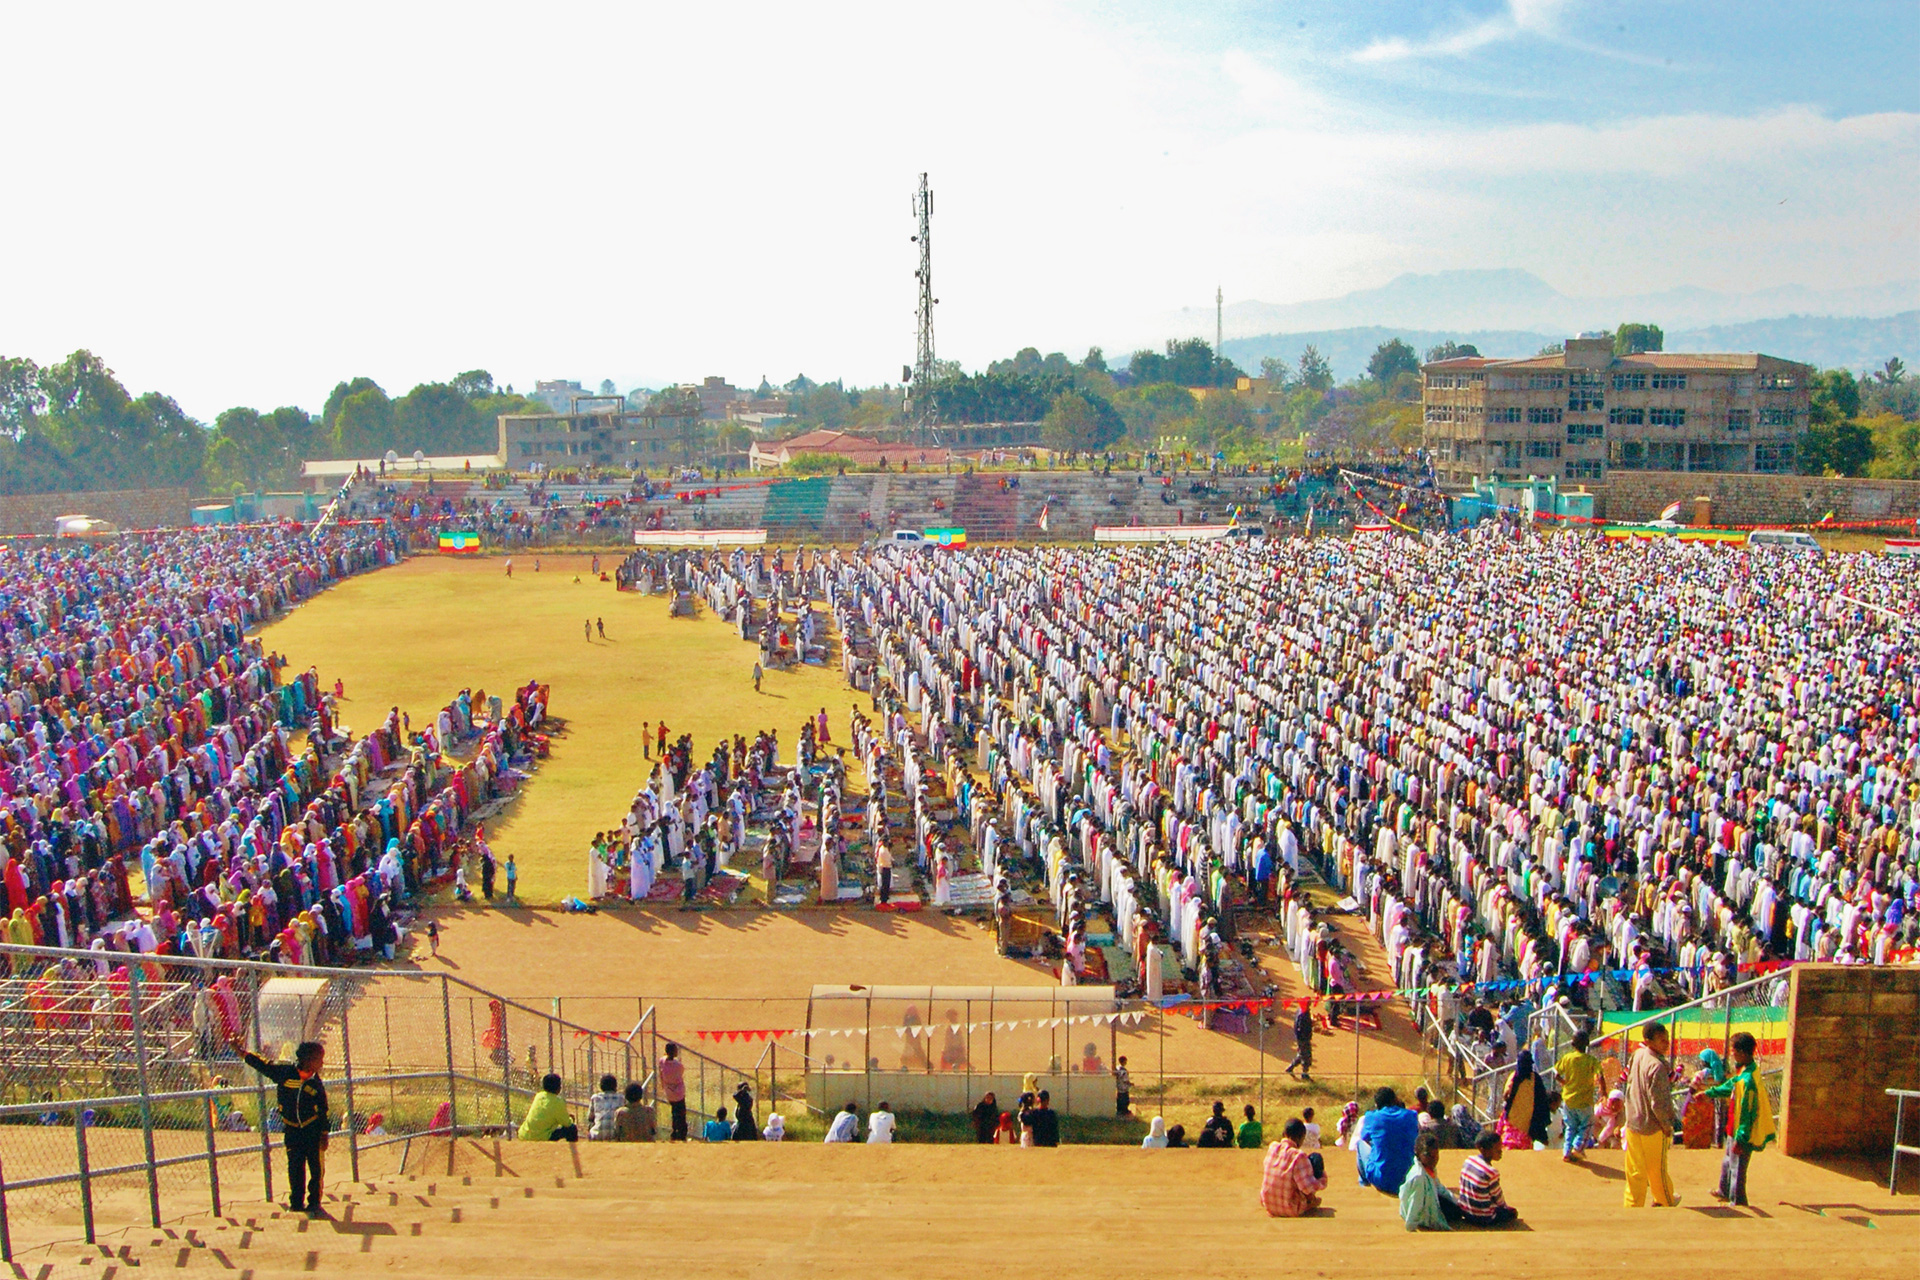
(1649, 1121)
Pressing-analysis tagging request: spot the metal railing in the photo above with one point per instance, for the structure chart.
(1458, 1069)
(109, 1043)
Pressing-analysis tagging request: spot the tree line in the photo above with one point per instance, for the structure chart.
(74, 426)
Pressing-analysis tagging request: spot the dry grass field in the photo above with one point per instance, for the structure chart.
(415, 635)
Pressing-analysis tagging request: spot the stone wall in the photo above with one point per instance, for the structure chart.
(1853, 1033)
(1754, 498)
(122, 508)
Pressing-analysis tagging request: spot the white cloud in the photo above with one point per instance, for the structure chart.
(252, 206)
(1522, 17)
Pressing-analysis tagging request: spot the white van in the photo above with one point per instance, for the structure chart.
(907, 539)
(1792, 539)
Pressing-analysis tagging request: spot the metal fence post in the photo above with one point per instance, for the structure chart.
(353, 1117)
(86, 1173)
(453, 1110)
(213, 1159)
(146, 1095)
(260, 1095)
(6, 1235)
(506, 1072)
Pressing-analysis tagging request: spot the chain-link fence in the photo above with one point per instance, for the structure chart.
(125, 1096)
(1457, 1070)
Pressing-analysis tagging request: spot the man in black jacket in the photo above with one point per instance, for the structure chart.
(1045, 1122)
(303, 1112)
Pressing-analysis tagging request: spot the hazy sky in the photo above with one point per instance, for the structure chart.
(245, 204)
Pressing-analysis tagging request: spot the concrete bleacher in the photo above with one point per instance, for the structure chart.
(831, 508)
(539, 1210)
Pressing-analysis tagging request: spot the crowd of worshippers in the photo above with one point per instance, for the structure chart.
(697, 819)
(1519, 756)
(140, 729)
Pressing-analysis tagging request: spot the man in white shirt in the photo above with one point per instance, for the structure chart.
(880, 1127)
(845, 1125)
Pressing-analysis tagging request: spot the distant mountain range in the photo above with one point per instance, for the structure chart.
(1514, 312)
(1513, 299)
(1830, 342)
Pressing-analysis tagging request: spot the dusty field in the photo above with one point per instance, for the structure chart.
(745, 968)
(415, 635)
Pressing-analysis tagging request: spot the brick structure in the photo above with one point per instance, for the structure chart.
(1587, 415)
(1854, 1033)
(34, 513)
(1755, 499)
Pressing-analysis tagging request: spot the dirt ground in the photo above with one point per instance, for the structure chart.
(741, 968)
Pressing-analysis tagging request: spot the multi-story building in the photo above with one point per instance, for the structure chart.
(1581, 412)
(663, 434)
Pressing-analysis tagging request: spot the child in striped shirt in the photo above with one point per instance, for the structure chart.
(1481, 1201)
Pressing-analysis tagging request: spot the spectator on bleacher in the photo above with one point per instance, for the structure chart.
(1289, 1185)
(635, 1122)
(745, 1127)
(601, 1108)
(547, 1117)
(1482, 1203)
(673, 1088)
(1384, 1146)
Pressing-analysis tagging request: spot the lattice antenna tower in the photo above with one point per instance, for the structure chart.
(923, 348)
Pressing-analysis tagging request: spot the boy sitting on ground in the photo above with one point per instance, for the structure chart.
(1481, 1202)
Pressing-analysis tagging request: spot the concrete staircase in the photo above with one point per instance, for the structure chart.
(538, 1211)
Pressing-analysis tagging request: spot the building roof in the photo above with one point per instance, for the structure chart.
(857, 449)
(1645, 360)
(344, 467)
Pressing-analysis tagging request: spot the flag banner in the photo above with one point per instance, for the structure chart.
(460, 543)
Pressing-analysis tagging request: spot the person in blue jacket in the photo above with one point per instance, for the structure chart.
(1384, 1147)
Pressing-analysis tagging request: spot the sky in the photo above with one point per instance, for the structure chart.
(246, 204)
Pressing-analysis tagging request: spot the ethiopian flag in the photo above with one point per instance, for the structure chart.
(460, 543)
(1698, 1029)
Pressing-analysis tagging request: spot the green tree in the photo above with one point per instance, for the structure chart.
(1277, 372)
(1078, 421)
(1896, 446)
(1096, 360)
(363, 425)
(1450, 350)
(1843, 448)
(330, 412)
(1147, 368)
(1391, 359)
(1633, 339)
(247, 448)
(1316, 373)
(1552, 349)
(1835, 396)
(436, 419)
(474, 384)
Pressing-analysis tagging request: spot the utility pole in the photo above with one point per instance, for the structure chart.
(920, 403)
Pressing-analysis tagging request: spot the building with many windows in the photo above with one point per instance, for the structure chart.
(1584, 411)
(655, 436)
